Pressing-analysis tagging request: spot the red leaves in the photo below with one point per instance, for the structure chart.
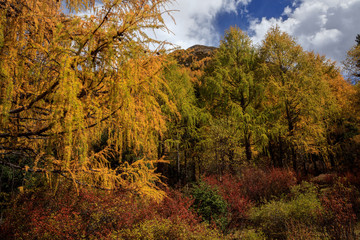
(91, 214)
(230, 189)
(261, 185)
(339, 217)
(255, 185)
(176, 207)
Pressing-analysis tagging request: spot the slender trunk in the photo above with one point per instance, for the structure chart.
(281, 152)
(160, 148)
(185, 167)
(289, 117)
(272, 154)
(196, 168)
(231, 161)
(293, 156)
(178, 162)
(248, 147)
(217, 162)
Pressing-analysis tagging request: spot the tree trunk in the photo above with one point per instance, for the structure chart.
(178, 162)
(248, 151)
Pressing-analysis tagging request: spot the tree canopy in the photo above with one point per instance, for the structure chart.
(72, 82)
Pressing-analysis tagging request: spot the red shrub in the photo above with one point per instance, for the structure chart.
(350, 178)
(339, 217)
(176, 207)
(259, 185)
(88, 214)
(66, 215)
(230, 189)
(42, 216)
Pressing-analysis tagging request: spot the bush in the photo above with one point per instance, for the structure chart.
(166, 229)
(248, 234)
(95, 214)
(262, 185)
(238, 205)
(175, 206)
(42, 216)
(301, 231)
(274, 217)
(339, 216)
(209, 204)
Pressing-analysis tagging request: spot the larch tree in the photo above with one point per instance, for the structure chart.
(233, 89)
(298, 100)
(182, 137)
(75, 89)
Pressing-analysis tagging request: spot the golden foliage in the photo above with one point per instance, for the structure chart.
(68, 79)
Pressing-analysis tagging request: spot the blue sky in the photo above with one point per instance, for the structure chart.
(255, 9)
(328, 27)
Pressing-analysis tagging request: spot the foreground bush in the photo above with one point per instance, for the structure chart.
(262, 185)
(92, 214)
(278, 219)
(209, 204)
(167, 229)
(339, 215)
(238, 204)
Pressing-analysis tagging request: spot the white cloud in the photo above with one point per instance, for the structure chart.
(194, 21)
(328, 27)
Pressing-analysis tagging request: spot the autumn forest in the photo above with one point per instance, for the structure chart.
(108, 133)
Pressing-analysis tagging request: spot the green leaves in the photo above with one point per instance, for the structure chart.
(232, 88)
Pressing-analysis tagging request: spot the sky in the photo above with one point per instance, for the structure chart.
(327, 27)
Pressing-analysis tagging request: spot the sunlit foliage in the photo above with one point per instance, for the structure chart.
(68, 80)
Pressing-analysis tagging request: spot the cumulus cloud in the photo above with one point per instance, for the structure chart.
(194, 21)
(328, 27)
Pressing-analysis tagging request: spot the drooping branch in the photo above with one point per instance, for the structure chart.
(60, 172)
(28, 134)
(96, 29)
(83, 184)
(38, 98)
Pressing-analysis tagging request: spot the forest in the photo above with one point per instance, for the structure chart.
(108, 133)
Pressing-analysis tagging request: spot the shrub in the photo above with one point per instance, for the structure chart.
(95, 214)
(175, 206)
(230, 189)
(67, 214)
(209, 204)
(301, 231)
(166, 229)
(339, 217)
(352, 183)
(262, 185)
(248, 234)
(274, 216)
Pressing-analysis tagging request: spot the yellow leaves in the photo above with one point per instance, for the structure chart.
(143, 179)
(83, 77)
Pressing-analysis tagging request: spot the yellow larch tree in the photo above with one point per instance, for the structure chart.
(78, 88)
